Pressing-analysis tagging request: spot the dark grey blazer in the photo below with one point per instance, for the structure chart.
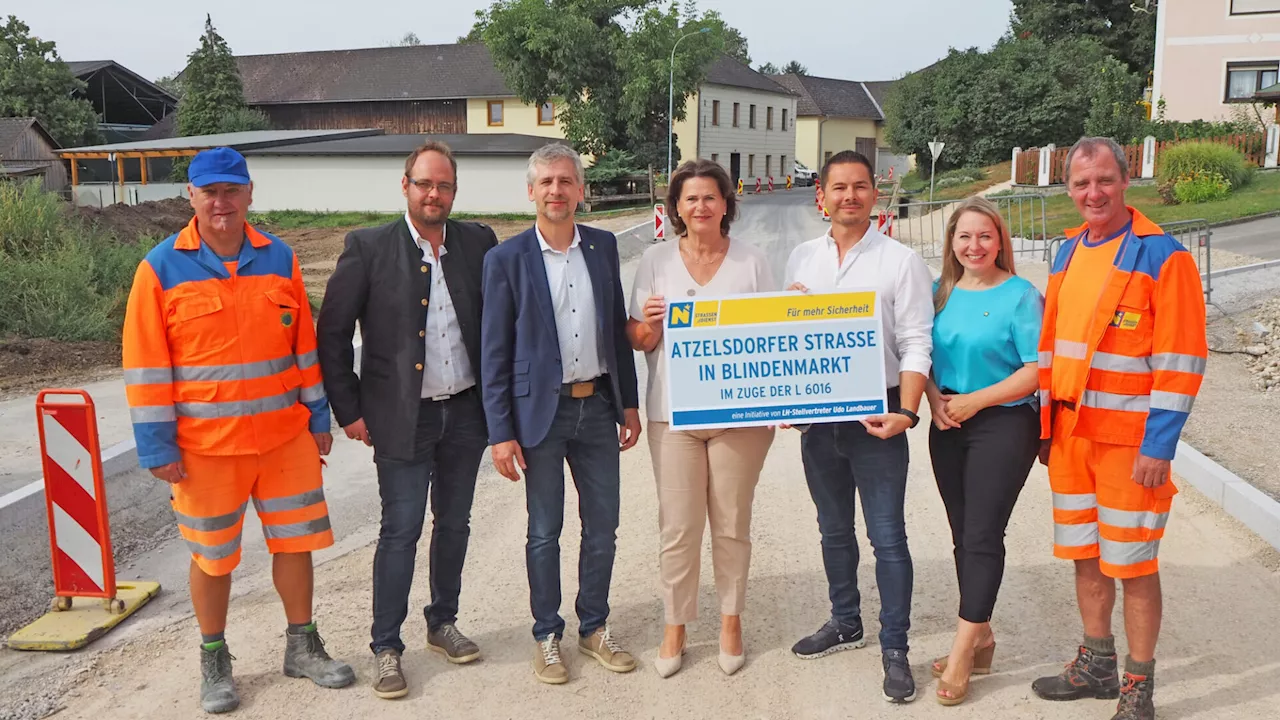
(380, 281)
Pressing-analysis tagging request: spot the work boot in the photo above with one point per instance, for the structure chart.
(601, 646)
(1136, 698)
(451, 643)
(217, 688)
(305, 656)
(1089, 675)
(548, 667)
(390, 683)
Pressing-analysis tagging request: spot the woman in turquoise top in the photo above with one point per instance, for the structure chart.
(986, 425)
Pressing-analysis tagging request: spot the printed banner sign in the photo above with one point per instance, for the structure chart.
(767, 359)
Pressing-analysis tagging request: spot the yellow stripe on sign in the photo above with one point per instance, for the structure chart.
(706, 313)
(790, 308)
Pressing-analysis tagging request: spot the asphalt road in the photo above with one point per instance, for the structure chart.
(1259, 238)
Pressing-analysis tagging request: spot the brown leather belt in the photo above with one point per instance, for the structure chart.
(584, 389)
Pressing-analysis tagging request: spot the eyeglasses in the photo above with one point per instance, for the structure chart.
(426, 186)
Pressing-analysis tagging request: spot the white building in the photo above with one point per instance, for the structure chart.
(742, 120)
(363, 174)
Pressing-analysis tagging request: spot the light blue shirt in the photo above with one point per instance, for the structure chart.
(982, 337)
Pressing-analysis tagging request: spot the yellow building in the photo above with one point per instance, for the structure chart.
(835, 115)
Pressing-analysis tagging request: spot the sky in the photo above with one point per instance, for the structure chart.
(849, 39)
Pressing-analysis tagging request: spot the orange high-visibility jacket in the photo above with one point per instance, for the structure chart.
(220, 362)
(1144, 357)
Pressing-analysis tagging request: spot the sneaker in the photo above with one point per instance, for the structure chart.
(305, 656)
(601, 646)
(217, 688)
(547, 665)
(390, 683)
(451, 643)
(830, 638)
(1136, 701)
(1089, 675)
(899, 684)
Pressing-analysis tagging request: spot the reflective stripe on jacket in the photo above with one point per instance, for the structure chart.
(219, 363)
(1145, 355)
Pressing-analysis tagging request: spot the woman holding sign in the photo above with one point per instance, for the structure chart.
(986, 427)
(707, 474)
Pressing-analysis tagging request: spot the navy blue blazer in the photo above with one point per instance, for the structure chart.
(520, 370)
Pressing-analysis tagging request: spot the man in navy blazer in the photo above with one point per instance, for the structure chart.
(559, 378)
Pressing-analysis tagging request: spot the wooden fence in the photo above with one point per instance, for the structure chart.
(1026, 169)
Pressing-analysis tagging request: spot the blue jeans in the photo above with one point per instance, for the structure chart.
(449, 443)
(585, 432)
(841, 459)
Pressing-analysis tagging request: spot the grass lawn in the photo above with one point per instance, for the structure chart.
(299, 219)
(1260, 196)
(995, 174)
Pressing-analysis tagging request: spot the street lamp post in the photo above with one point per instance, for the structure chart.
(671, 103)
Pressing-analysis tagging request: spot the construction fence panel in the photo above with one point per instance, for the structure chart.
(922, 226)
(1195, 235)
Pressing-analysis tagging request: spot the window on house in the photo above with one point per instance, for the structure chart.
(715, 112)
(768, 166)
(495, 112)
(547, 114)
(782, 165)
(715, 157)
(751, 166)
(751, 118)
(1254, 7)
(768, 119)
(1244, 79)
(784, 119)
(735, 114)
(826, 156)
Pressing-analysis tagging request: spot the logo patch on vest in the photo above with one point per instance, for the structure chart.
(286, 319)
(1126, 320)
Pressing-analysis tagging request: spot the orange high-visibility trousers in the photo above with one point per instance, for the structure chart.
(1098, 510)
(286, 487)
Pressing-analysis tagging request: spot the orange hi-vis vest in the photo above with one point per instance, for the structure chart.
(220, 358)
(1136, 371)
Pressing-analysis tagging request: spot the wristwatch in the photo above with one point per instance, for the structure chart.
(915, 419)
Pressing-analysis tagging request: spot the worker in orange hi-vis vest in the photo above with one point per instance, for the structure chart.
(1122, 355)
(227, 404)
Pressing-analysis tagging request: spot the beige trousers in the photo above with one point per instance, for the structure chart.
(705, 475)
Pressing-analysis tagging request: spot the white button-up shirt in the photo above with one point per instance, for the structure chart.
(575, 307)
(902, 280)
(447, 369)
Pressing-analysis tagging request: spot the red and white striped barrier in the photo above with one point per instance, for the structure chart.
(884, 223)
(75, 497)
(659, 222)
(770, 183)
(757, 184)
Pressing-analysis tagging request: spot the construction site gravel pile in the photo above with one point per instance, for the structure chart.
(1262, 345)
(157, 219)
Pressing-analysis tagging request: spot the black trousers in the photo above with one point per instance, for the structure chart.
(981, 468)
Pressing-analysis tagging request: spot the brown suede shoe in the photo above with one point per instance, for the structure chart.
(547, 665)
(390, 683)
(601, 646)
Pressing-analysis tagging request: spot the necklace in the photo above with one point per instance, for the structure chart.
(714, 258)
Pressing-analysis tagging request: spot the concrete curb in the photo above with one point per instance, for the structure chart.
(1246, 219)
(1241, 269)
(1242, 501)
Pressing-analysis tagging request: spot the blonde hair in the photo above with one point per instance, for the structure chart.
(952, 270)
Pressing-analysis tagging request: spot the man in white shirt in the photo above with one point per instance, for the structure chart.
(559, 381)
(414, 285)
(868, 458)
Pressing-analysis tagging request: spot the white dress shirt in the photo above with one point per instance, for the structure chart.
(447, 369)
(902, 279)
(574, 302)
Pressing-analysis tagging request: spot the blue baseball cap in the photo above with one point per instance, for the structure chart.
(218, 165)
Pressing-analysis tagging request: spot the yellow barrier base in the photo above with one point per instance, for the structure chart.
(86, 620)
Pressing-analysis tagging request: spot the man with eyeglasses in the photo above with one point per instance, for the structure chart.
(414, 286)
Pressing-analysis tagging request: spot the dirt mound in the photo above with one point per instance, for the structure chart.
(29, 365)
(156, 219)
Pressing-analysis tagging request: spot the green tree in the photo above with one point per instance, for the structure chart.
(1113, 108)
(1023, 93)
(34, 82)
(614, 84)
(1126, 30)
(409, 38)
(171, 82)
(794, 68)
(768, 69)
(212, 85)
(243, 120)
